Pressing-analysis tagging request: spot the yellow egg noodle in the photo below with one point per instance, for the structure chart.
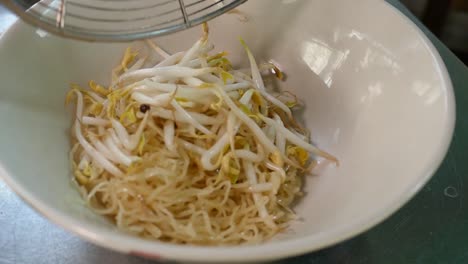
(189, 149)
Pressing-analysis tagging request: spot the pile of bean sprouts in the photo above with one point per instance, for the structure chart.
(190, 150)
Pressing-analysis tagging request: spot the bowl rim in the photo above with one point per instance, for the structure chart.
(263, 252)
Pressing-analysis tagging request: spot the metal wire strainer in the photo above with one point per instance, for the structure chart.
(118, 20)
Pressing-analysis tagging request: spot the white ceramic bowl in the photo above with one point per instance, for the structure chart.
(377, 93)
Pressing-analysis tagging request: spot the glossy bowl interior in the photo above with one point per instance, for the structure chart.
(376, 93)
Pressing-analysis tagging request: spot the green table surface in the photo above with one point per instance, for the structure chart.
(431, 228)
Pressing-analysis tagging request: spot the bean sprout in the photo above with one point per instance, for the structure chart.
(189, 150)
